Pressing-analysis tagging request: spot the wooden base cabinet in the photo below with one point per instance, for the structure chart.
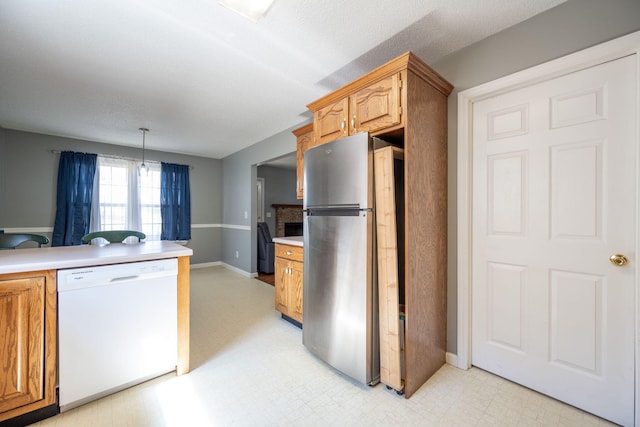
(27, 342)
(288, 280)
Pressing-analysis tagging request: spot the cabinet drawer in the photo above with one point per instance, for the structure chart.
(294, 253)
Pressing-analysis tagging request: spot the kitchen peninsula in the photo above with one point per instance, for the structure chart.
(28, 308)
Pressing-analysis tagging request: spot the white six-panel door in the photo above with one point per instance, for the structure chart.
(554, 196)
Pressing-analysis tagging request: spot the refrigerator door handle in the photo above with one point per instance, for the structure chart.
(336, 212)
(340, 206)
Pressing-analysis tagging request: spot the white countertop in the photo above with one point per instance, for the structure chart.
(291, 240)
(21, 260)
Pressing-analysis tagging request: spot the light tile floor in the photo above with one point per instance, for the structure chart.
(249, 368)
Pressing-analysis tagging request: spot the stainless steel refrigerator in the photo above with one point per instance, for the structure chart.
(340, 316)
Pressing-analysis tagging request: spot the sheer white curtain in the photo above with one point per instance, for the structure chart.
(134, 221)
(94, 223)
(116, 197)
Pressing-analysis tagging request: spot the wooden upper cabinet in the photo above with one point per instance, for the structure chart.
(371, 109)
(304, 141)
(377, 106)
(330, 122)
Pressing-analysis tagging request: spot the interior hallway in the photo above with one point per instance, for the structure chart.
(249, 368)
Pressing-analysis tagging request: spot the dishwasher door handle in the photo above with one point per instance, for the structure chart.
(118, 279)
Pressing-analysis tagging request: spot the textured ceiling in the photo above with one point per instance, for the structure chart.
(204, 80)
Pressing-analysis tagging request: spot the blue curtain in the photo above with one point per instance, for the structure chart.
(175, 202)
(75, 188)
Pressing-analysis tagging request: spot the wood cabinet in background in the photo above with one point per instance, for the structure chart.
(304, 141)
(288, 280)
(27, 342)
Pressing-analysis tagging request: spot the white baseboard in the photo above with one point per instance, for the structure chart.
(452, 359)
(206, 264)
(225, 265)
(455, 361)
(238, 270)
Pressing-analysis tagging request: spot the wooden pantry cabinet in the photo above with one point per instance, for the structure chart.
(288, 280)
(28, 343)
(405, 102)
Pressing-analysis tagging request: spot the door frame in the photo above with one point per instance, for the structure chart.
(596, 55)
(260, 199)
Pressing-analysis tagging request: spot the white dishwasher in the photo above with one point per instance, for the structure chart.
(117, 326)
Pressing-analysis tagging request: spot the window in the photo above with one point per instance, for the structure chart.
(113, 194)
(151, 219)
(127, 200)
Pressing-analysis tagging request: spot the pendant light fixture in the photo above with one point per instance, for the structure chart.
(143, 169)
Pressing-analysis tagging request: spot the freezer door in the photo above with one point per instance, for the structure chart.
(340, 305)
(338, 173)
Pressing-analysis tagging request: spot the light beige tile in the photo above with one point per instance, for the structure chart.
(249, 368)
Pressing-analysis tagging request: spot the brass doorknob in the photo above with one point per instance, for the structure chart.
(618, 260)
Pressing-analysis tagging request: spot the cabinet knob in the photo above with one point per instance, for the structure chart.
(343, 125)
(353, 123)
(289, 253)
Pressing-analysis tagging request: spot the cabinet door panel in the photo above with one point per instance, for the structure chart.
(376, 107)
(331, 122)
(21, 341)
(304, 141)
(301, 146)
(281, 284)
(296, 291)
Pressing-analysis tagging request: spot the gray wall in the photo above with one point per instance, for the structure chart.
(572, 26)
(239, 190)
(279, 188)
(29, 169)
(3, 157)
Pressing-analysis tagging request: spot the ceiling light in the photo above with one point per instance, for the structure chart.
(250, 9)
(143, 169)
